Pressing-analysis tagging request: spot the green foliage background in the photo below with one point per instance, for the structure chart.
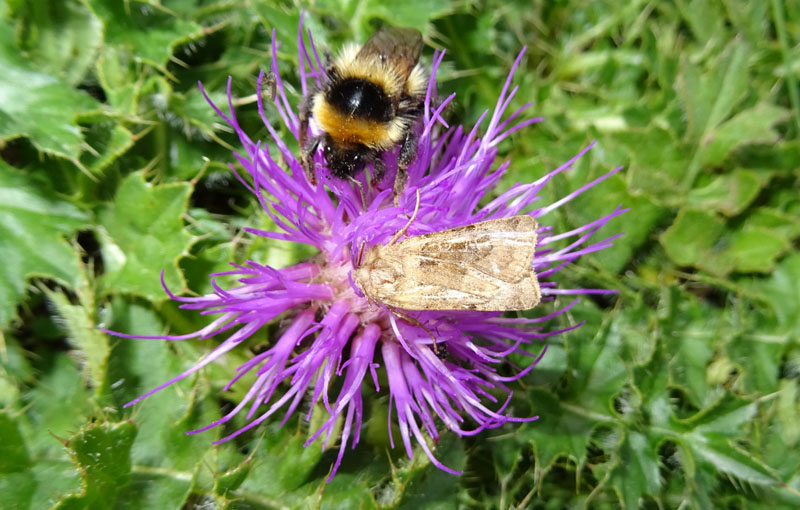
(680, 393)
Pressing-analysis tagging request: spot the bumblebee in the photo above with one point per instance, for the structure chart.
(369, 104)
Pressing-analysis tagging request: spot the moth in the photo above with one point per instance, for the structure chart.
(485, 266)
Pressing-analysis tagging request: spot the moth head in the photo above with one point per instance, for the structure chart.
(361, 270)
(360, 278)
(372, 272)
(367, 257)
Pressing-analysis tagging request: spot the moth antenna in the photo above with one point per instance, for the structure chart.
(400, 233)
(360, 254)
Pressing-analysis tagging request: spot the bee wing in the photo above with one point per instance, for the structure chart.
(398, 45)
(501, 249)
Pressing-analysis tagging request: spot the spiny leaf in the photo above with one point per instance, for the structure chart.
(150, 31)
(35, 225)
(38, 105)
(59, 37)
(101, 454)
(137, 247)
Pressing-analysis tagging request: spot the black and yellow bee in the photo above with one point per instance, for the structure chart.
(369, 104)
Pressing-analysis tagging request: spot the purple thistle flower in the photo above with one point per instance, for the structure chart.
(333, 335)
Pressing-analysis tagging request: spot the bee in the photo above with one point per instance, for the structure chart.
(486, 266)
(369, 104)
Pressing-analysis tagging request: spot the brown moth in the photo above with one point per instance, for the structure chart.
(485, 266)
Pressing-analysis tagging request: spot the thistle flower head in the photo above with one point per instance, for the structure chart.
(331, 338)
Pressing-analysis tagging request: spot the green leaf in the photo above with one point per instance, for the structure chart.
(658, 163)
(55, 407)
(507, 455)
(709, 98)
(707, 437)
(230, 480)
(191, 114)
(788, 412)
(38, 105)
(726, 458)
(14, 456)
(285, 21)
(143, 234)
(16, 484)
(602, 200)
(559, 431)
(704, 19)
(689, 329)
(15, 371)
(600, 373)
(729, 194)
(424, 485)
(108, 142)
(119, 82)
(61, 37)
(34, 225)
(781, 292)
(750, 126)
(754, 250)
(723, 418)
(415, 13)
(150, 31)
(636, 472)
(692, 237)
(347, 492)
(213, 260)
(749, 18)
(754, 354)
(58, 405)
(84, 334)
(274, 479)
(166, 416)
(784, 225)
(700, 239)
(360, 17)
(166, 458)
(102, 454)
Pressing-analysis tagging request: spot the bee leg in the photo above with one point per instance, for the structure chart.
(305, 113)
(307, 147)
(399, 184)
(360, 189)
(379, 171)
(408, 151)
(328, 61)
(307, 159)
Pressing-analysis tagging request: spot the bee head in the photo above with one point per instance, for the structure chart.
(344, 161)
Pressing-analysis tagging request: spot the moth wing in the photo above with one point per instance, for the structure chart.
(451, 286)
(501, 249)
(399, 45)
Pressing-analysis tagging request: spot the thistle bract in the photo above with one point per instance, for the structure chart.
(331, 338)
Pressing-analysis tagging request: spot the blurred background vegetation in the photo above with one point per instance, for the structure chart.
(680, 392)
